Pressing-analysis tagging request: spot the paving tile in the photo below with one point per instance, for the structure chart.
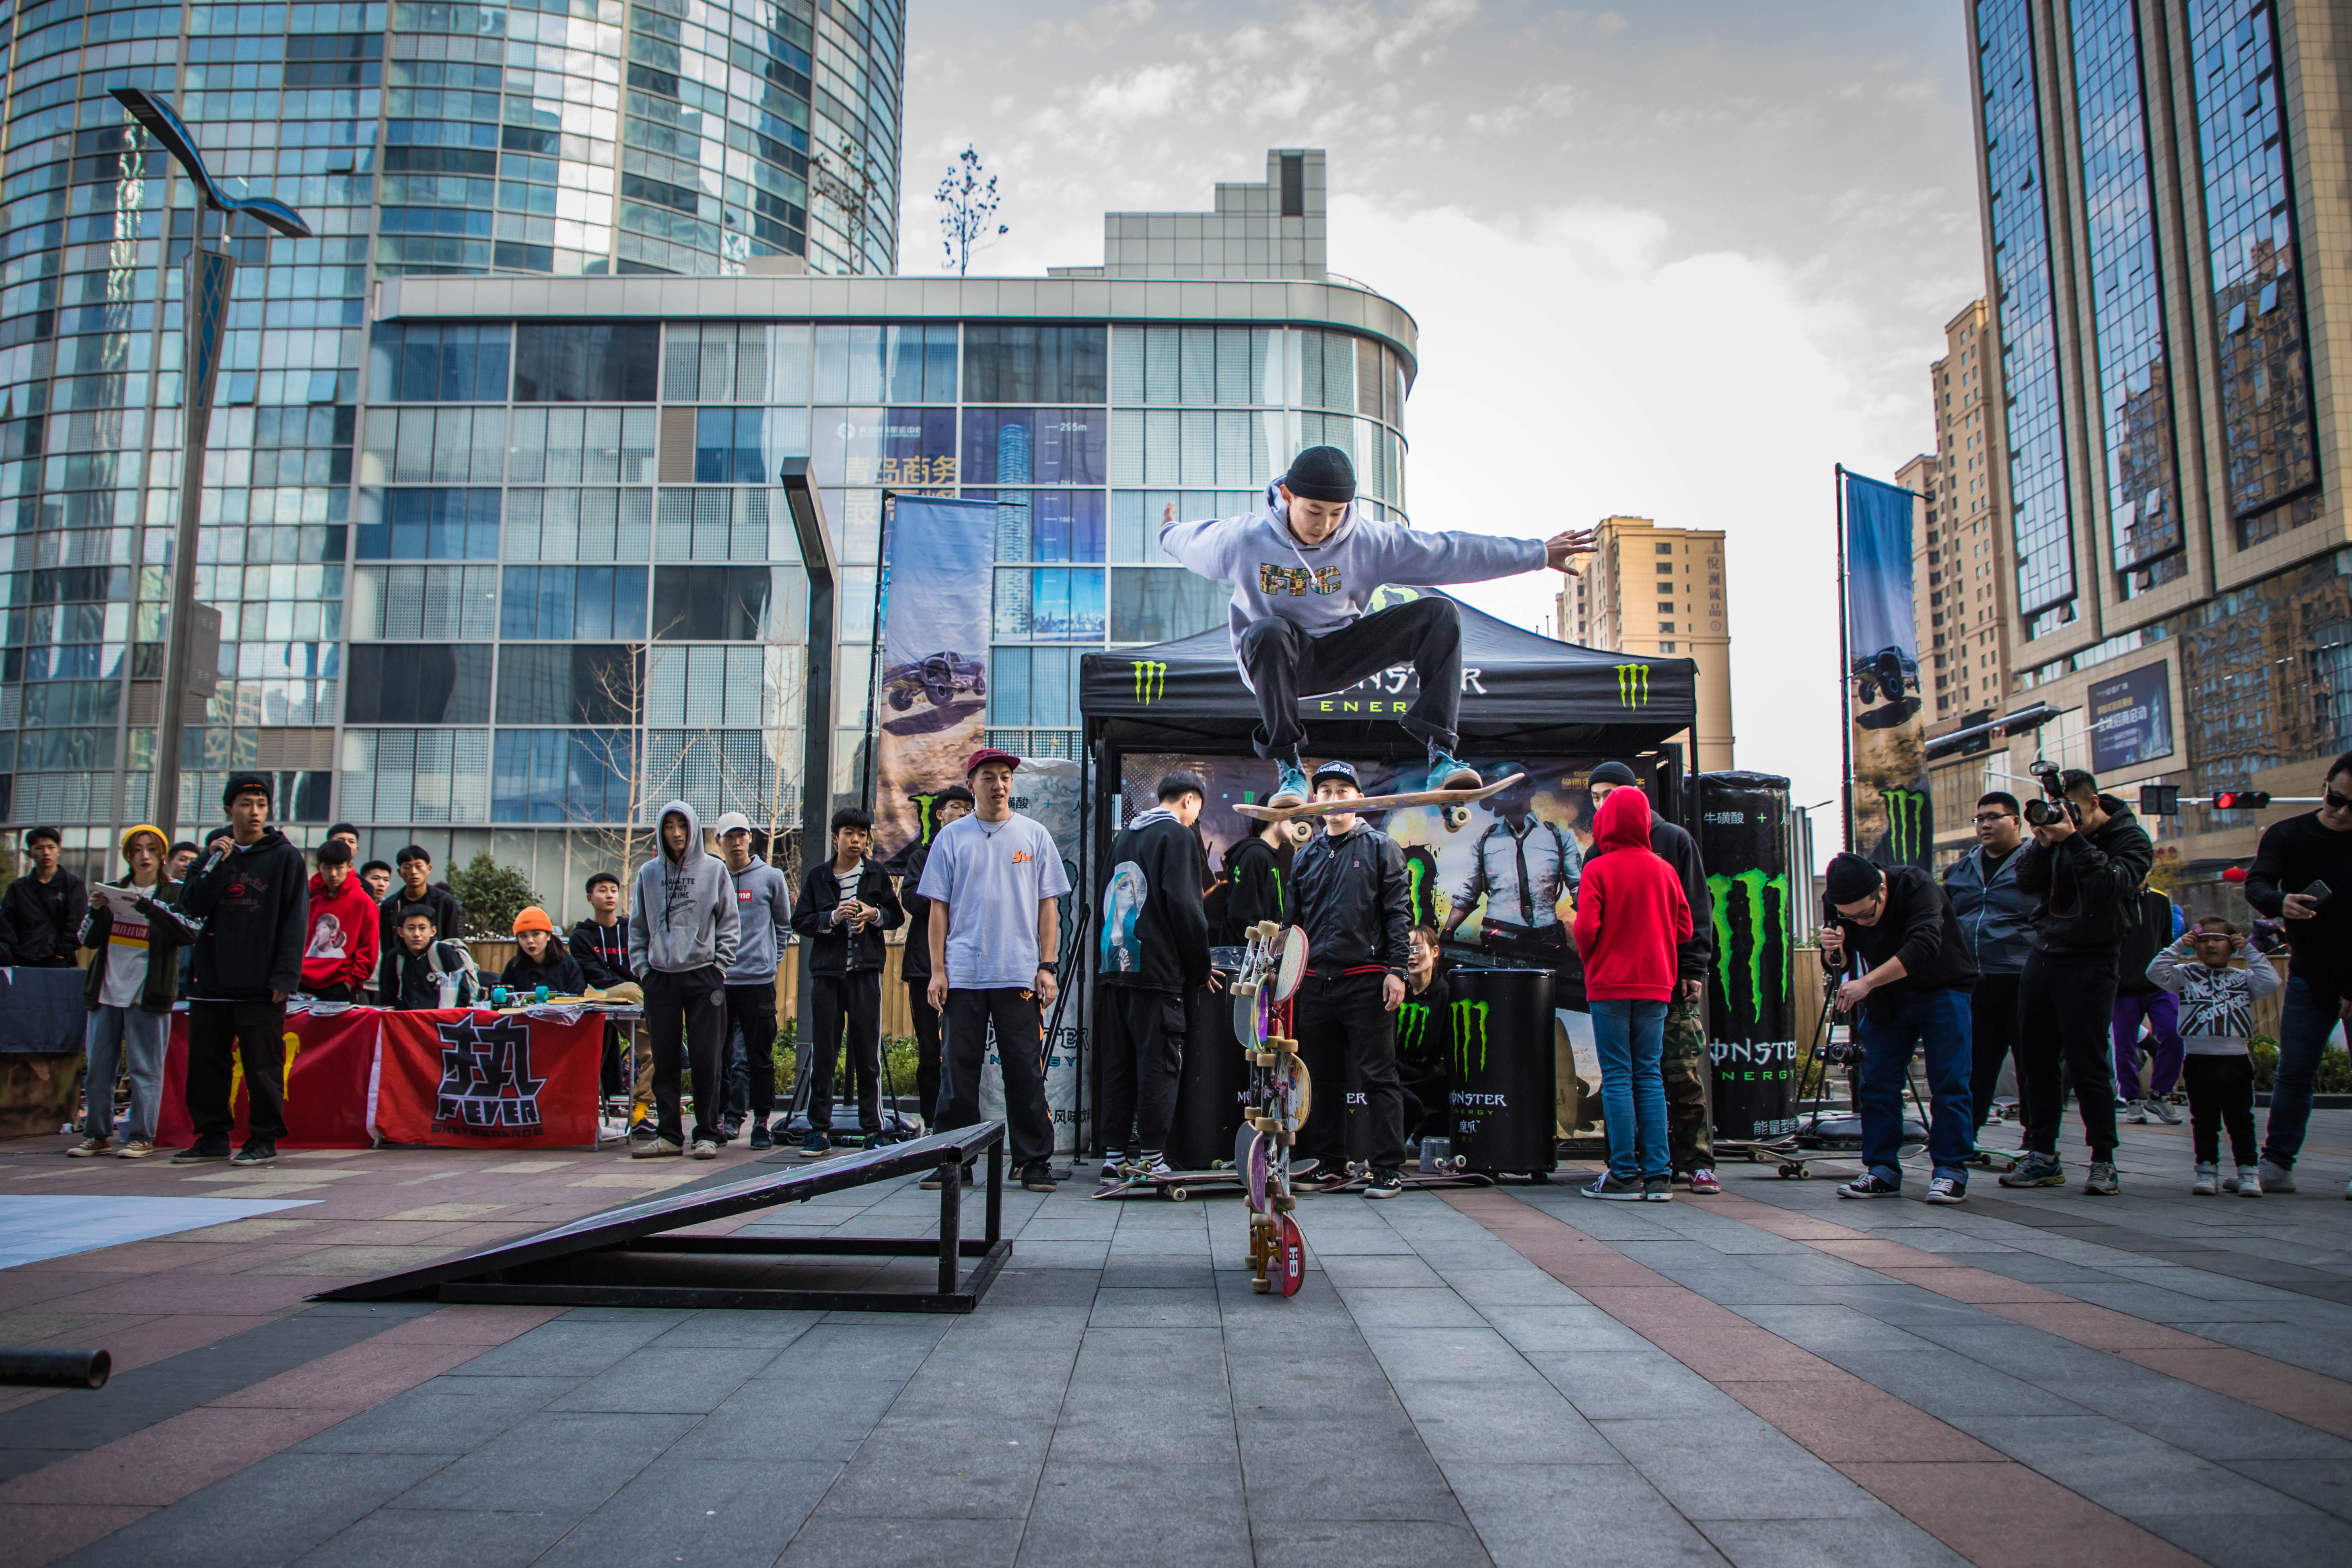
(1887, 1541)
(403, 1538)
(714, 1512)
(1523, 1422)
(894, 1542)
(268, 1514)
(1526, 1516)
(942, 1468)
(450, 1414)
(659, 1379)
(1304, 1542)
(1145, 1515)
(564, 1463)
(2005, 1513)
(1741, 1468)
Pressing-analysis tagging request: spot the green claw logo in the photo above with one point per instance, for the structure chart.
(1907, 825)
(1752, 887)
(1633, 685)
(924, 807)
(1151, 681)
(1412, 1027)
(1469, 1031)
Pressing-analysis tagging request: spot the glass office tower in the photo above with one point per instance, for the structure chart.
(2176, 387)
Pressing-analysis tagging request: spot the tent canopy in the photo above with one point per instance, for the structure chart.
(1519, 692)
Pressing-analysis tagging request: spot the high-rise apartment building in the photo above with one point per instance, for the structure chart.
(2169, 258)
(553, 489)
(1654, 590)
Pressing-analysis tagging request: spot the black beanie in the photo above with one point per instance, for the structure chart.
(1851, 879)
(1613, 774)
(245, 783)
(1322, 473)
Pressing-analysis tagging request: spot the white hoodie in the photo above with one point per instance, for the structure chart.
(1321, 587)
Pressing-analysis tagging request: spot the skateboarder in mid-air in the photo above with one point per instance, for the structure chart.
(1304, 570)
(1154, 956)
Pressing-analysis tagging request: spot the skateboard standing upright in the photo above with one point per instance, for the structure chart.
(1279, 1098)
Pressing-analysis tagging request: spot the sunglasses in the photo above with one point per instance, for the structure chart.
(2338, 801)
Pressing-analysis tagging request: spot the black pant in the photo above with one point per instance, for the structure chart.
(751, 1061)
(685, 1016)
(1992, 1030)
(2065, 1007)
(927, 1047)
(1020, 1025)
(221, 1034)
(337, 993)
(2220, 1091)
(1346, 1034)
(857, 999)
(1283, 664)
(1142, 1036)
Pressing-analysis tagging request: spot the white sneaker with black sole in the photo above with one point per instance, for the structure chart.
(1947, 1190)
(1870, 1184)
(1619, 1189)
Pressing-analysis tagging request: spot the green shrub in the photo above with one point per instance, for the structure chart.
(2266, 1053)
(2334, 1077)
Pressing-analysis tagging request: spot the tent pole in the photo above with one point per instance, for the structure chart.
(1845, 718)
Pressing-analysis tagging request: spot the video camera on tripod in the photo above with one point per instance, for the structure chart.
(2054, 806)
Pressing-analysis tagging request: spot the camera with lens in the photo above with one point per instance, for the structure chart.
(2054, 806)
(1844, 1053)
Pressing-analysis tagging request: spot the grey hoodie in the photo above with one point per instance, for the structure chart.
(682, 916)
(764, 922)
(1320, 588)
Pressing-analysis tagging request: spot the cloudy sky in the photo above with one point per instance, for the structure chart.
(1675, 259)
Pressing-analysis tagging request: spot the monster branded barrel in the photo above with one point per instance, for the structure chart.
(1214, 1083)
(1752, 1030)
(1501, 1024)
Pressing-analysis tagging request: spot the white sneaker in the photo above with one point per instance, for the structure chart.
(2246, 1184)
(1110, 1171)
(1946, 1189)
(2163, 1109)
(2209, 1181)
(2275, 1178)
(2136, 1112)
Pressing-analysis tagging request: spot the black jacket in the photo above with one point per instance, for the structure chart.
(409, 981)
(1256, 891)
(255, 904)
(448, 920)
(42, 917)
(602, 953)
(2147, 931)
(831, 948)
(1352, 901)
(914, 961)
(1918, 926)
(2294, 853)
(1157, 869)
(166, 934)
(2087, 885)
(558, 970)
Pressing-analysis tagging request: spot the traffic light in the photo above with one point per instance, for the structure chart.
(2240, 799)
(2159, 800)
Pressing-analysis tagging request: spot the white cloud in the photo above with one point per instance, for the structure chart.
(1430, 20)
(1144, 94)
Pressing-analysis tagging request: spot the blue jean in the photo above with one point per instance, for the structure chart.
(125, 1039)
(1936, 1021)
(1631, 1037)
(2305, 1020)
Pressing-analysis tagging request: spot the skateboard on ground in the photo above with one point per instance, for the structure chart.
(1178, 1186)
(1279, 1097)
(1359, 1175)
(1456, 802)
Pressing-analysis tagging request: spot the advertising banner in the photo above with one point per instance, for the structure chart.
(489, 1081)
(1891, 822)
(931, 697)
(1752, 1032)
(2131, 718)
(330, 1063)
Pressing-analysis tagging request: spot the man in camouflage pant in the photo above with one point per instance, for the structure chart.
(1684, 1066)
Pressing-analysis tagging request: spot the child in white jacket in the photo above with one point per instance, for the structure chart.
(2217, 1022)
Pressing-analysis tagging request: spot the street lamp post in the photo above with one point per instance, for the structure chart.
(205, 308)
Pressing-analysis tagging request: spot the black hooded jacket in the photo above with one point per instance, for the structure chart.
(1157, 869)
(254, 903)
(1257, 891)
(2087, 885)
(1353, 903)
(1918, 926)
(602, 952)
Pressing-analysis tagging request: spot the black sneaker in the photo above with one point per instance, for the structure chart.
(760, 1137)
(1386, 1182)
(1332, 1180)
(1622, 1189)
(1038, 1179)
(213, 1146)
(1870, 1184)
(2035, 1170)
(1657, 1189)
(257, 1151)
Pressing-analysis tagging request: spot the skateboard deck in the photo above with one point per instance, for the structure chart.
(1178, 1186)
(1458, 800)
(1273, 964)
(1291, 1257)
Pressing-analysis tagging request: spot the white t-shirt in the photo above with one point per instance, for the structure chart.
(126, 953)
(992, 875)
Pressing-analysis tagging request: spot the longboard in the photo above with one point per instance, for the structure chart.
(1458, 803)
(1178, 1186)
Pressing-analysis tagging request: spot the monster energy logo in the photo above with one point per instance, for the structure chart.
(1907, 825)
(1414, 872)
(1150, 680)
(924, 805)
(1412, 1027)
(1751, 887)
(1633, 685)
(1469, 1032)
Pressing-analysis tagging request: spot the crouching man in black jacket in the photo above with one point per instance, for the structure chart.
(251, 891)
(1351, 886)
(1155, 953)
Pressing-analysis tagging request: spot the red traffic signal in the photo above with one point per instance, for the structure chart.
(2240, 799)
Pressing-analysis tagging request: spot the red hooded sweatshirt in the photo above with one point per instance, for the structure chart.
(340, 945)
(1630, 908)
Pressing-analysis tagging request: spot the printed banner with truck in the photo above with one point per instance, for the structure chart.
(931, 696)
(1891, 816)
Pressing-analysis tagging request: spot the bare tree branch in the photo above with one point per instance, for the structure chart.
(970, 204)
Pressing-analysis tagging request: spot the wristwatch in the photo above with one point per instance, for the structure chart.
(1048, 967)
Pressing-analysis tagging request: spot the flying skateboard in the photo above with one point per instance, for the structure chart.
(1279, 1097)
(1456, 802)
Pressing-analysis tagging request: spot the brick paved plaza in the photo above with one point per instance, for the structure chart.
(1513, 1375)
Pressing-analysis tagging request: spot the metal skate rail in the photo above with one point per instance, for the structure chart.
(573, 1264)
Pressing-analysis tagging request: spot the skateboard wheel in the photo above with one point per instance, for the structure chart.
(1179, 1193)
(1457, 817)
(1300, 832)
(1263, 1287)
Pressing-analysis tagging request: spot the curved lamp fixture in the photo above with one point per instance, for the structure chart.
(165, 126)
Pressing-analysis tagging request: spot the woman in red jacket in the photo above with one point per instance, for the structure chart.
(1630, 914)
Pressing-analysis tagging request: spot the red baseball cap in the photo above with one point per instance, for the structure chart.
(972, 763)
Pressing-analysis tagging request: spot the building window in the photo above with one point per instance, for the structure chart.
(565, 602)
(1294, 185)
(1045, 525)
(1035, 446)
(417, 683)
(438, 363)
(1009, 363)
(569, 683)
(428, 525)
(577, 363)
(728, 604)
(1156, 604)
(1049, 604)
(561, 775)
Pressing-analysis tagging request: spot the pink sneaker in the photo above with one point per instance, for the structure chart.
(1703, 1182)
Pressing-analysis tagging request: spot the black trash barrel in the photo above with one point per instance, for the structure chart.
(1752, 1034)
(1502, 1071)
(1214, 1083)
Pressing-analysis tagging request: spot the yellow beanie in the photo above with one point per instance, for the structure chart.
(162, 840)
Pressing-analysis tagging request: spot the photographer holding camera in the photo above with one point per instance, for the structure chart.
(2085, 861)
(1913, 994)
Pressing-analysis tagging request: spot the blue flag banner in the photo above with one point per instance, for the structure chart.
(1892, 817)
(931, 696)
